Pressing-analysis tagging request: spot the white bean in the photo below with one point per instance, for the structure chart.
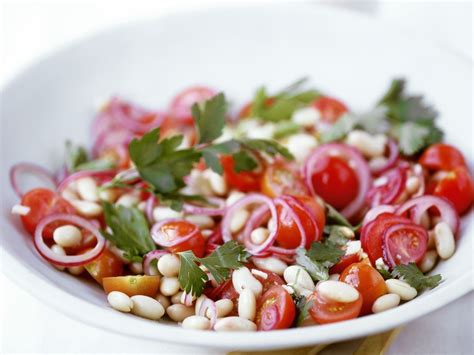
(147, 307)
(369, 145)
(412, 184)
(298, 277)
(334, 277)
(353, 247)
(444, 240)
(429, 261)
(199, 301)
(271, 225)
(87, 189)
(234, 324)
(243, 279)
(109, 195)
(76, 270)
(87, 208)
(127, 200)
(176, 298)
(136, 268)
(217, 182)
(259, 235)
(386, 302)
(179, 312)
(57, 249)
(306, 117)
(238, 220)
(346, 232)
(377, 162)
(69, 194)
(259, 273)
(120, 301)
(169, 286)
(271, 264)
(301, 145)
(67, 236)
(164, 301)
(161, 213)
(223, 307)
(233, 197)
(201, 221)
(401, 288)
(247, 305)
(168, 265)
(197, 323)
(337, 291)
(20, 210)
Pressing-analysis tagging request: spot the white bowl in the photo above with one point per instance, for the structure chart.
(234, 49)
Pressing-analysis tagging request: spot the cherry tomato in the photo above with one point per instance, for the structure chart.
(271, 280)
(404, 244)
(288, 234)
(442, 156)
(323, 311)
(107, 265)
(43, 202)
(245, 181)
(345, 261)
(280, 178)
(457, 187)
(331, 109)
(180, 107)
(132, 285)
(367, 281)
(335, 181)
(180, 229)
(275, 309)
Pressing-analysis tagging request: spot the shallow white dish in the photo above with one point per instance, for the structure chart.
(235, 50)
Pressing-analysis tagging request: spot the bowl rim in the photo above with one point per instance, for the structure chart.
(108, 319)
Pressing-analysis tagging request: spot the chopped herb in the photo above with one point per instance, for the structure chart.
(413, 276)
(335, 218)
(130, 231)
(285, 128)
(210, 118)
(338, 235)
(303, 305)
(77, 159)
(318, 259)
(269, 147)
(385, 273)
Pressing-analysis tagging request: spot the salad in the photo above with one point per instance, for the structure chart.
(293, 211)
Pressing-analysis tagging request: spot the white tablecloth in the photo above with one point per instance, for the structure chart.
(33, 28)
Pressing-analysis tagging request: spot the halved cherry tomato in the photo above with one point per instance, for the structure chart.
(335, 181)
(331, 109)
(275, 309)
(180, 229)
(457, 187)
(280, 178)
(288, 234)
(404, 243)
(180, 107)
(345, 261)
(224, 290)
(324, 311)
(43, 202)
(391, 191)
(107, 265)
(442, 156)
(367, 281)
(245, 181)
(132, 285)
(271, 280)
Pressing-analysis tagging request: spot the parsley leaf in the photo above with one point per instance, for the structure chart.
(303, 305)
(77, 159)
(227, 257)
(270, 147)
(243, 161)
(211, 154)
(333, 217)
(318, 259)
(412, 274)
(130, 231)
(210, 118)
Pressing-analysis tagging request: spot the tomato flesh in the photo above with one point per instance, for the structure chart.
(335, 181)
(275, 309)
(43, 202)
(330, 108)
(404, 244)
(442, 156)
(245, 181)
(132, 285)
(367, 281)
(280, 179)
(179, 229)
(107, 265)
(457, 187)
(345, 261)
(324, 311)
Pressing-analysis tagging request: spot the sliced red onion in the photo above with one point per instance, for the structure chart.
(131, 120)
(376, 211)
(391, 160)
(29, 168)
(82, 174)
(149, 257)
(391, 191)
(418, 172)
(361, 168)
(219, 210)
(210, 305)
(162, 238)
(150, 204)
(419, 205)
(68, 260)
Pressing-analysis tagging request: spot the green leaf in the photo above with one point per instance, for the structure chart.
(211, 153)
(318, 259)
(97, 164)
(75, 156)
(413, 276)
(318, 271)
(414, 136)
(325, 253)
(130, 231)
(243, 161)
(333, 217)
(209, 118)
(191, 278)
(303, 305)
(338, 235)
(285, 128)
(270, 147)
(394, 92)
(385, 274)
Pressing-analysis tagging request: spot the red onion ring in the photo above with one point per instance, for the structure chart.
(149, 257)
(161, 238)
(207, 211)
(392, 190)
(31, 168)
(68, 260)
(188, 299)
(374, 212)
(418, 172)
(150, 204)
(210, 305)
(419, 205)
(362, 169)
(131, 121)
(82, 174)
(391, 160)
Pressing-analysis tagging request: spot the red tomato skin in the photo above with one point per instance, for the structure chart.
(345, 262)
(442, 156)
(325, 312)
(43, 202)
(335, 181)
(275, 309)
(107, 265)
(331, 109)
(282, 179)
(367, 281)
(458, 188)
(245, 181)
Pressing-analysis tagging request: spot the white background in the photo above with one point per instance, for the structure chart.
(32, 29)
